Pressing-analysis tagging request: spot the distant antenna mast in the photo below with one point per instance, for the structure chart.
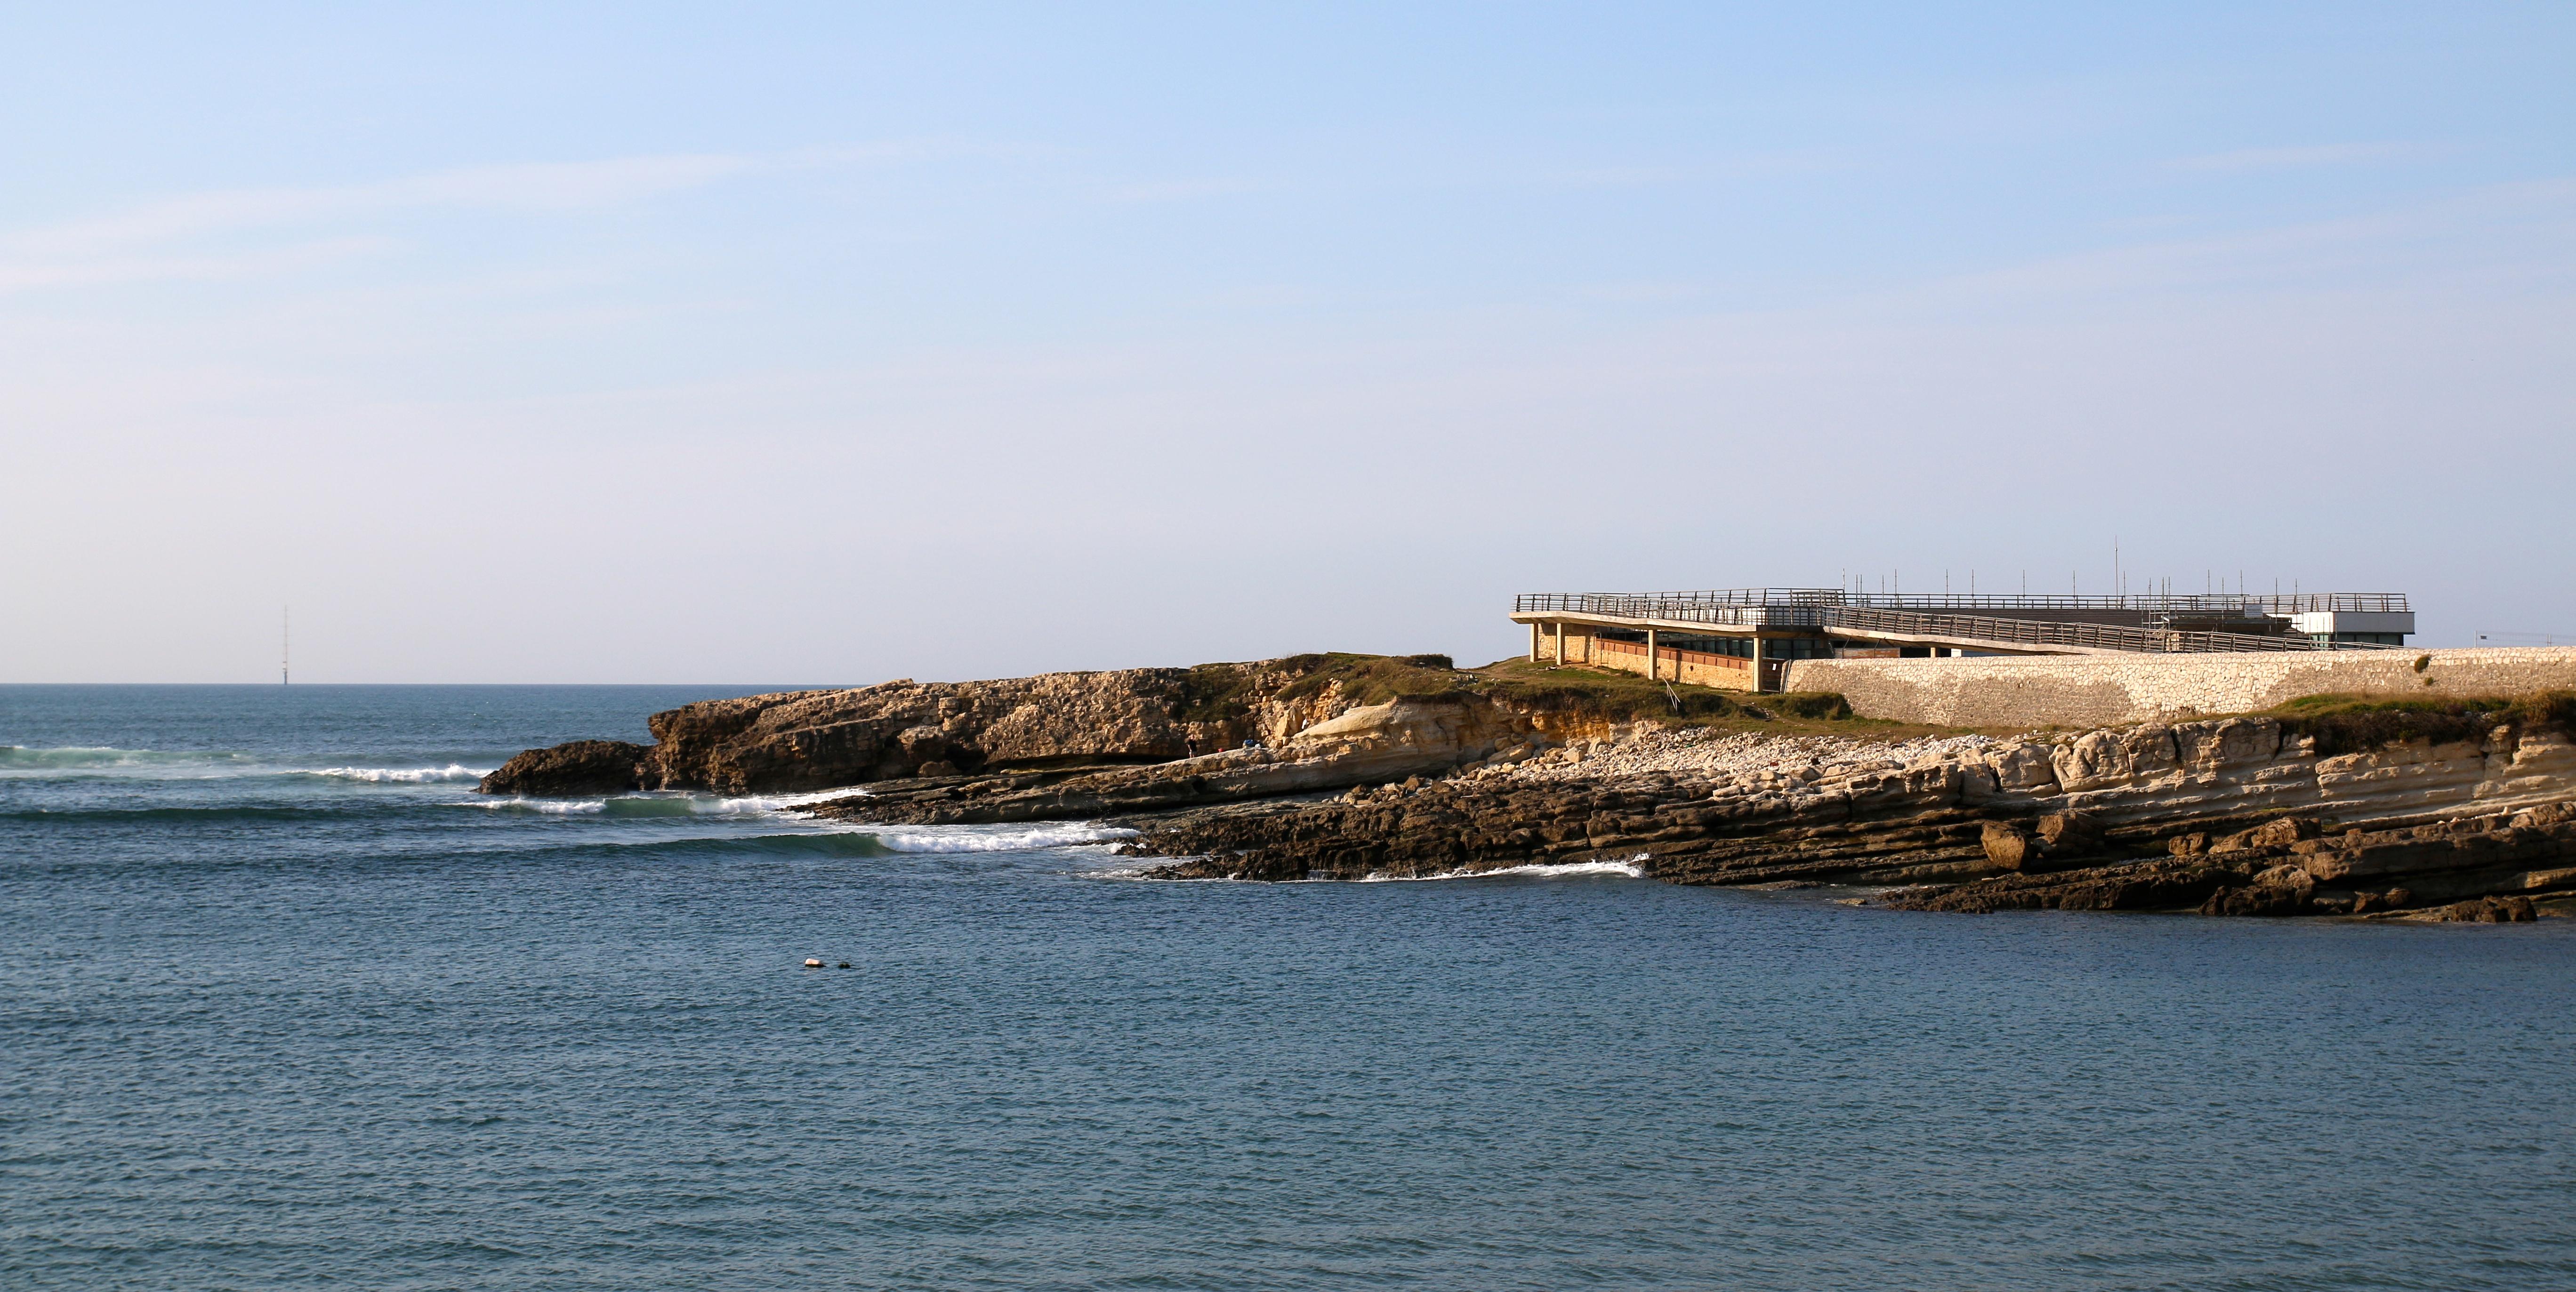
(283, 642)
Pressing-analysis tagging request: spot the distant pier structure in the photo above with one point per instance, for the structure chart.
(1745, 638)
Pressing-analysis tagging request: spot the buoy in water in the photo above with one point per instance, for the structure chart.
(845, 964)
(813, 964)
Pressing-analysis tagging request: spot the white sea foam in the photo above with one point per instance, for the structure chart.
(88, 757)
(402, 775)
(775, 802)
(982, 839)
(624, 805)
(549, 807)
(1627, 869)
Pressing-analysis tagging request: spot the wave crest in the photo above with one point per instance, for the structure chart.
(402, 775)
(1562, 870)
(982, 840)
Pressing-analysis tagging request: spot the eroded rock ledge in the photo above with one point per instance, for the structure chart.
(811, 740)
(2230, 816)
(1028, 731)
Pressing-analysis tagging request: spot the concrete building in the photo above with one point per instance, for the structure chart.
(1745, 638)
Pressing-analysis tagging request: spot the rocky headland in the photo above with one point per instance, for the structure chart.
(1347, 767)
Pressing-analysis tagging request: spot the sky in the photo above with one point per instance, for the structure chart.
(833, 344)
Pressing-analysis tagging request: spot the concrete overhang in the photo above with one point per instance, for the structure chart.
(1624, 621)
(2319, 622)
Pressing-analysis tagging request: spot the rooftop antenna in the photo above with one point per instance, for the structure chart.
(283, 641)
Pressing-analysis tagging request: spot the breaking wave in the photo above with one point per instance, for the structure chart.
(541, 807)
(402, 775)
(778, 802)
(1022, 840)
(660, 805)
(1625, 869)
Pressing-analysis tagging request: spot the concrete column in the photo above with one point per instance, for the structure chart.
(1560, 641)
(1760, 683)
(1533, 641)
(1652, 664)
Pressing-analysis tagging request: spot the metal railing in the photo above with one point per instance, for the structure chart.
(2197, 603)
(2041, 632)
(1821, 615)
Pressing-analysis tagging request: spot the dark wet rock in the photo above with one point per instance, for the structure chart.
(2492, 910)
(2483, 868)
(2280, 890)
(580, 767)
(2162, 884)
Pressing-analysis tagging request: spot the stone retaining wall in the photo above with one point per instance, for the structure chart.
(2107, 690)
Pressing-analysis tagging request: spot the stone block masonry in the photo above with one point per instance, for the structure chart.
(2108, 690)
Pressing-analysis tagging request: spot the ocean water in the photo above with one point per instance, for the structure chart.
(284, 1004)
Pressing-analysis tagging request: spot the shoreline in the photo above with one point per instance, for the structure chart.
(1357, 767)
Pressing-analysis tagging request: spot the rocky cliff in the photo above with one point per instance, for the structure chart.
(1393, 741)
(1031, 726)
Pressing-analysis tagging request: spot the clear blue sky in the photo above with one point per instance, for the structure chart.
(774, 343)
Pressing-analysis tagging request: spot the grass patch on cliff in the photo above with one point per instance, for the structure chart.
(1221, 692)
(2350, 724)
(1376, 679)
(1613, 696)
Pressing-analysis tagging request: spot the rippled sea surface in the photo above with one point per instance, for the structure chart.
(284, 1004)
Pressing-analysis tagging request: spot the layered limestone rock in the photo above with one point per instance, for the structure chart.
(2480, 867)
(1390, 741)
(2243, 766)
(2182, 812)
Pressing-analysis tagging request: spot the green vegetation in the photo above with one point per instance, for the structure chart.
(2346, 724)
(1625, 697)
(1215, 692)
(1373, 679)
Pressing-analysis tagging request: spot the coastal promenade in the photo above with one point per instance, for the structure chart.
(2104, 690)
(1749, 638)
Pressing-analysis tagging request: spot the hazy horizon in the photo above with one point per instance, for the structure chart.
(618, 345)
